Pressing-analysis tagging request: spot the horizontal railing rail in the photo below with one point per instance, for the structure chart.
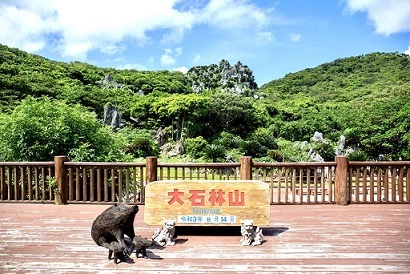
(340, 182)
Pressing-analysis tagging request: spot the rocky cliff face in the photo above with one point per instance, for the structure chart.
(237, 79)
(108, 82)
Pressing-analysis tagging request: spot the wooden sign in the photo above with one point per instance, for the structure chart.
(207, 202)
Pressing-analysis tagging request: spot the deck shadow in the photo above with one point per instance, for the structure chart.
(208, 230)
(223, 230)
(273, 231)
(151, 255)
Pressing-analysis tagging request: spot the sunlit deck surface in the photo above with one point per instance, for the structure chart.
(45, 238)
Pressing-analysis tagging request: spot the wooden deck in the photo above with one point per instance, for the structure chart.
(44, 238)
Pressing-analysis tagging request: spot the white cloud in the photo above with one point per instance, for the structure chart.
(196, 59)
(113, 49)
(388, 16)
(132, 66)
(24, 29)
(170, 56)
(295, 37)
(184, 70)
(407, 51)
(76, 27)
(167, 60)
(178, 52)
(78, 49)
(174, 36)
(233, 14)
(79, 26)
(265, 36)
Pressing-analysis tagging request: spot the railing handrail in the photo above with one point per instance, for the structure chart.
(381, 163)
(290, 164)
(48, 164)
(105, 164)
(233, 164)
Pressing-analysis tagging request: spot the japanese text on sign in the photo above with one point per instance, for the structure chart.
(210, 219)
(215, 197)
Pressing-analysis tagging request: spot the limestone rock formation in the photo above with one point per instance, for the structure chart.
(237, 79)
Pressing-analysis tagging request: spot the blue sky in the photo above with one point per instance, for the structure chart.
(271, 37)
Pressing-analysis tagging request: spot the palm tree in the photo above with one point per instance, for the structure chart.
(214, 152)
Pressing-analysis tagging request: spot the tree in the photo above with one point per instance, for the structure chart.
(379, 124)
(230, 113)
(180, 108)
(143, 113)
(259, 143)
(39, 129)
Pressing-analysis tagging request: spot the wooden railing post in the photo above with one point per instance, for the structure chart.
(341, 186)
(246, 167)
(151, 169)
(61, 192)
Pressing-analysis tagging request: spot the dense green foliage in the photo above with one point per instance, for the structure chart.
(39, 129)
(365, 98)
(50, 108)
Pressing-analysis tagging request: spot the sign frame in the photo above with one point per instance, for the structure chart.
(207, 202)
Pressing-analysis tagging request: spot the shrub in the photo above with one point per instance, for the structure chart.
(214, 153)
(358, 156)
(39, 129)
(194, 146)
(138, 143)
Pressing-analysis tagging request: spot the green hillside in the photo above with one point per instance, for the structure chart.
(213, 112)
(366, 98)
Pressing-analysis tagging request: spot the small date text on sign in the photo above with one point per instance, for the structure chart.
(207, 202)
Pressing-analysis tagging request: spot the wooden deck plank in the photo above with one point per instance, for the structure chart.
(44, 238)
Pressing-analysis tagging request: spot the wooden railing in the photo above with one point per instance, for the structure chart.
(292, 183)
(26, 181)
(371, 182)
(340, 182)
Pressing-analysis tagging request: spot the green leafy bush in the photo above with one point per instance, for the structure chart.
(358, 156)
(194, 146)
(227, 140)
(39, 129)
(138, 143)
